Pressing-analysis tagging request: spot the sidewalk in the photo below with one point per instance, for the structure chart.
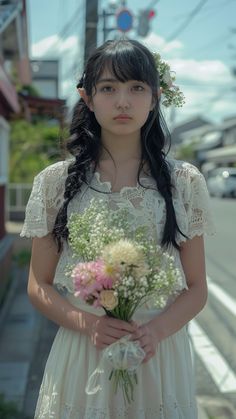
(20, 328)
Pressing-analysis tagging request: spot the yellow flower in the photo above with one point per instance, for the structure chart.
(110, 270)
(125, 252)
(108, 299)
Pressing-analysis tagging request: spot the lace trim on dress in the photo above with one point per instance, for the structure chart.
(171, 409)
(45, 200)
(148, 180)
(191, 190)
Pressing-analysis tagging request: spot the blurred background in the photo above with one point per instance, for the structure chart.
(43, 47)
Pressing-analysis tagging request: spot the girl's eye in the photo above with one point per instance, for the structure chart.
(107, 89)
(138, 88)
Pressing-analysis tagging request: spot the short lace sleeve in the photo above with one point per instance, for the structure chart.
(196, 200)
(45, 200)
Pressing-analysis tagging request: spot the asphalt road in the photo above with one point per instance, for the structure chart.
(215, 334)
(221, 248)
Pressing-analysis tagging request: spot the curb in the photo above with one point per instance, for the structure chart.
(10, 294)
(217, 408)
(201, 412)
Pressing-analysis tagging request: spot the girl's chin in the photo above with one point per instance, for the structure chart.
(121, 129)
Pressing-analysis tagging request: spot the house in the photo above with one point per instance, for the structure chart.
(186, 127)
(45, 77)
(43, 102)
(14, 68)
(226, 154)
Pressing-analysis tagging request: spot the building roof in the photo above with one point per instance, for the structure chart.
(228, 123)
(53, 108)
(198, 132)
(223, 154)
(187, 126)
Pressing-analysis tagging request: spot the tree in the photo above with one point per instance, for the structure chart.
(186, 152)
(32, 148)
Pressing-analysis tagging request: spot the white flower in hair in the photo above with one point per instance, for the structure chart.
(172, 93)
(167, 78)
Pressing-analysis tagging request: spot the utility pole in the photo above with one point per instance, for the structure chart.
(91, 21)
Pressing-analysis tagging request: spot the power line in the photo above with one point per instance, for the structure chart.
(215, 41)
(64, 31)
(208, 10)
(152, 4)
(187, 21)
(211, 14)
(217, 98)
(206, 85)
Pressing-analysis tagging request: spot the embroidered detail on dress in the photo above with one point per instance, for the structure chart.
(171, 411)
(145, 207)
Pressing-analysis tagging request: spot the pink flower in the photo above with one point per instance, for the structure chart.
(84, 278)
(104, 275)
(90, 278)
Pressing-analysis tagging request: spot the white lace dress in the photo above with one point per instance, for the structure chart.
(165, 387)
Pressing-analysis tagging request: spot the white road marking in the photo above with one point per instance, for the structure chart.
(217, 366)
(222, 296)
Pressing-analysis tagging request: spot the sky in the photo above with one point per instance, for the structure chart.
(196, 37)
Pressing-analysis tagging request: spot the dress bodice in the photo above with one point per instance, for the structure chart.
(143, 202)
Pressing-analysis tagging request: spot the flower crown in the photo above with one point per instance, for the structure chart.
(172, 93)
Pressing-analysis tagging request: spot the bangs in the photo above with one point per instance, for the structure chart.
(127, 62)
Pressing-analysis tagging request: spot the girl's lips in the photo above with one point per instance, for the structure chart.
(122, 116)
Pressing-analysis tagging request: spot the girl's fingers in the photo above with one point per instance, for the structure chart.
(138, 334)
(116, 333)
(122, 325)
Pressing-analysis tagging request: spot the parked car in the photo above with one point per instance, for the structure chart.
(221, 182)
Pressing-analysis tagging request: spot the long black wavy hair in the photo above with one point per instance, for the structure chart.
(126, 60)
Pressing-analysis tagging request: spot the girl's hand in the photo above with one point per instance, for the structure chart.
(147, 336)
(104, 331)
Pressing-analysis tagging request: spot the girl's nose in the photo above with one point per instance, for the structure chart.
(122, 100)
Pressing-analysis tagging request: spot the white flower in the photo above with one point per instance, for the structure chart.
(128, 253)
(167, 78)
(108, 299)
(172, 94)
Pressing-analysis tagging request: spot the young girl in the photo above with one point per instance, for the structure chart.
(118, 148)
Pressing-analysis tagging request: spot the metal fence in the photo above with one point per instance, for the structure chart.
(17, 198)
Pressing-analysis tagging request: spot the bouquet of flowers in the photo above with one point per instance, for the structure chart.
(120, 270)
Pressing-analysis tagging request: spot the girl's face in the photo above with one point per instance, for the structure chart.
(121, 107)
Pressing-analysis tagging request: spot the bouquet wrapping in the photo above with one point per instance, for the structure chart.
(120, 269)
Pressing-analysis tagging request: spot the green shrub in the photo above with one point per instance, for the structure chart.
(8, 410)
(22, 258)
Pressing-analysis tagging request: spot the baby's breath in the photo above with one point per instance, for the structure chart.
(172, 93)
(143, 269)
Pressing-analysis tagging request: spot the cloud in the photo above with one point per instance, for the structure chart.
(207, 71)
(206, 86)
(158, 44)
(205, 83)
(53, 46)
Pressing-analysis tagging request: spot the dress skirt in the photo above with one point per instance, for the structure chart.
(165, 388)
